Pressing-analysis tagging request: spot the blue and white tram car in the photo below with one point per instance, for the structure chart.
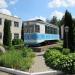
(36, 32)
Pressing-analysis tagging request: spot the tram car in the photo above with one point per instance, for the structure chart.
(38, 31)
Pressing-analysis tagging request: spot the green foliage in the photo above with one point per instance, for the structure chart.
(7, 33)
(51, 55)
(17, 42)
(22, 32)
(65, 51)
(74, 35)
(15, 59)
(57, 60)
(68, 22)
(27, 52)
(54, 20)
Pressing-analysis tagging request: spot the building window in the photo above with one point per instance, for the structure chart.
(16, 24)
(25, 23)
(37, 28)
(0, 35)
(16, 36)
(0, 21)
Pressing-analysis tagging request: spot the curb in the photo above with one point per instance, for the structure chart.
(18, 72)
(48, 73)
(13, 71)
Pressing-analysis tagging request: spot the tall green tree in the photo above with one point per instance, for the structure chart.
(22, 32)
(53, 20)
(68, 22)
(74, 33)
(7, 33)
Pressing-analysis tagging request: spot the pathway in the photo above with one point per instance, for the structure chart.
(39, 64)
(3, 73)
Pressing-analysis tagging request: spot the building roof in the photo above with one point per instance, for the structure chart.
(10, 16)
(40, 21)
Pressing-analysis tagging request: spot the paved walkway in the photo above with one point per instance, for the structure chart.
(39, 64)
(3, 73)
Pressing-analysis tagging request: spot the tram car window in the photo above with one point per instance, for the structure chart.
(37, 28)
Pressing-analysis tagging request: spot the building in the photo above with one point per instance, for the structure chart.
(16, 24)
(62, 31)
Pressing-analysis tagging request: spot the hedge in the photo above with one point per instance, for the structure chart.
(59, 61)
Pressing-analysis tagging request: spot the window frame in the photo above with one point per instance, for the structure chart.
(37, 28)
(0, 35)
(0, 21)
(16, 24)
(15, 34)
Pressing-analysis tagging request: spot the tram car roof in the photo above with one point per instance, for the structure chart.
(31, 22)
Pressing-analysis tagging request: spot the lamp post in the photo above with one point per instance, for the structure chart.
(66, 31)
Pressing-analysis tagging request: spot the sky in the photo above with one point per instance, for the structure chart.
(37, 9)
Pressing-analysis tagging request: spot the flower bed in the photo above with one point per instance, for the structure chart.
(55, 59)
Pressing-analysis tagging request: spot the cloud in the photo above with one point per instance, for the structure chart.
(71, 2)
(61, 3)
(12, 1)
(36, 17)
(5, 11)
(3, 7)
(16, 16)
(58, 14)
(3, 4)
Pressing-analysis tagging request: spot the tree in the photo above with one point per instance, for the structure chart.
(68, 22)
(59, 25)
(62, 20)
(74, 33)
(22, 32)
(47, 20)
(7, 33)
(54, 20)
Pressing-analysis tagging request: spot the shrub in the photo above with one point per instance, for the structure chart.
(27, 52)
(66, 51)
(57, 60)
(15, 59)
(51, 55)
(9, 59)
(56, 48)
(17, 42)
(9, 47)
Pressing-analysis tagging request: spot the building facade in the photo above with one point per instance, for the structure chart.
(62, 31)
(16, 24)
